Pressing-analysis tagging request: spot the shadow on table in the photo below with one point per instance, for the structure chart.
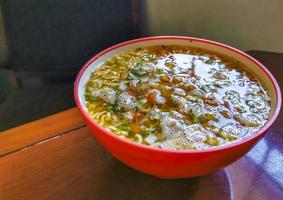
(121, 182)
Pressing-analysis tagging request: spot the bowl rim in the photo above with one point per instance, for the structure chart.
(259, 133)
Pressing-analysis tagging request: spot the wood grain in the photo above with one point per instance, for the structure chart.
(39, 130)
(74, 166)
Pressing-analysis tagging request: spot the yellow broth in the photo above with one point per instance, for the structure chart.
(176, 97)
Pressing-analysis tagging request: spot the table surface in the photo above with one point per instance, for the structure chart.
(57, 158)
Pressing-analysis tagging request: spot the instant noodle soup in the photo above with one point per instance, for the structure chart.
(176, 97)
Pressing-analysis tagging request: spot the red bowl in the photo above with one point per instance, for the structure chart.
(172, 163)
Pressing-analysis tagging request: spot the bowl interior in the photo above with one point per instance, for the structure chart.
(252, 65)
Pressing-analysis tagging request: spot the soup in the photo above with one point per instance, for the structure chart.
(176, 97)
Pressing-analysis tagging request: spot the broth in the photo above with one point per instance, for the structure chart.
(176, 97)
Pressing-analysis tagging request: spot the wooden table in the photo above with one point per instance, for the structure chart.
(57, 158)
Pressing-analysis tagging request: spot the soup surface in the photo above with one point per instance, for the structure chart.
(176, 97)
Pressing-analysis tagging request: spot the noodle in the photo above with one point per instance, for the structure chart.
(176, 97)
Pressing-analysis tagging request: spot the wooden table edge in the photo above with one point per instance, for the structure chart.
(40, 130)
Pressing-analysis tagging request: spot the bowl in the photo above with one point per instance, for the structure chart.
(173, 164)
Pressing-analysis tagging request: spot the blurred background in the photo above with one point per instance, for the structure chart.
(43, 43)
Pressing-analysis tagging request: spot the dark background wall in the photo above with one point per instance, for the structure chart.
(46, 42)
(46, 34)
